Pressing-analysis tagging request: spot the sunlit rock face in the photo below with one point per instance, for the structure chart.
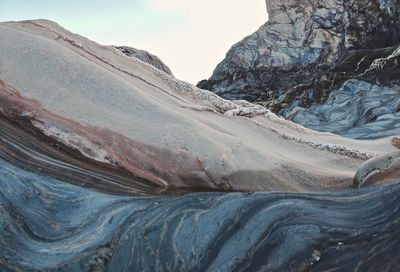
(308, 52)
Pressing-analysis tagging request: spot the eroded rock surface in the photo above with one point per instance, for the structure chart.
(131, 117)
(309, 54)
(380, 169)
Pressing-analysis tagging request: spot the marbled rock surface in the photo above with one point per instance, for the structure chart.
(49, 225)
(313, 59)
(146, 57)
(110, 164)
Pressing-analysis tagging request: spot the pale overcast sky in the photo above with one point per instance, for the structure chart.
(190, 36)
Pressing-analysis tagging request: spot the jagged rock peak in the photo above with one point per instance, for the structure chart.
(307, 32)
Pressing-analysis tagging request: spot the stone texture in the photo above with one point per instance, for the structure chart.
(311, 49)
(167, 135)
(146, 57)
(380, 169)
(107, 163)
(50, 225)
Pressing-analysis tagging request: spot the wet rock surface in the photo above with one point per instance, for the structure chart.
(308, 52)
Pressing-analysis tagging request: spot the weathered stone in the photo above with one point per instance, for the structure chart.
(106, 163)
(128, 116)
(310, 49)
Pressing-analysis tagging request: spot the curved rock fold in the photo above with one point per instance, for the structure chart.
(110, 163)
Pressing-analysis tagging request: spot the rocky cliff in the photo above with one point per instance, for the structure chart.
(329, 65)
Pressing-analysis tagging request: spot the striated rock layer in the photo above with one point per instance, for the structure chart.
(328, 65)
(107, 164)
(128, 116)
(48, 225)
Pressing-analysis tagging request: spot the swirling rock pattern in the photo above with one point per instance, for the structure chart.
(110, 164)
(47, 225)
(358, 109)
(308, 53)
(379, 169)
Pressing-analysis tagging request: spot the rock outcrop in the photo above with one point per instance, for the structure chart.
(108, 163)
(168, 135)
(146, 57)
(384, 168)
(321, 64)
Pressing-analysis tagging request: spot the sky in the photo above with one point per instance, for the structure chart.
(190, 36)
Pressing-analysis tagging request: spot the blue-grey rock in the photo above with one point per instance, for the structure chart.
(110, 164)
(309, 51)
(48, 225)
(357, 109)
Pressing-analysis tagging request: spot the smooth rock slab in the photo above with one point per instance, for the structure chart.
(100, 105)
(309, 51)
(380, 169)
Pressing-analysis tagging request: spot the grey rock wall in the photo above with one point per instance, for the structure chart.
(311, 49)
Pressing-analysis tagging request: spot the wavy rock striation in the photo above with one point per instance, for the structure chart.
(46, 224)
(315, 60)
(128, 116)
(108, 163)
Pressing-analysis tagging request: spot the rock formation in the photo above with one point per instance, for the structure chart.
(108, 163)
(134, 118)
(46, 224)
(383, 168)
(146, 57)
(322, 64)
